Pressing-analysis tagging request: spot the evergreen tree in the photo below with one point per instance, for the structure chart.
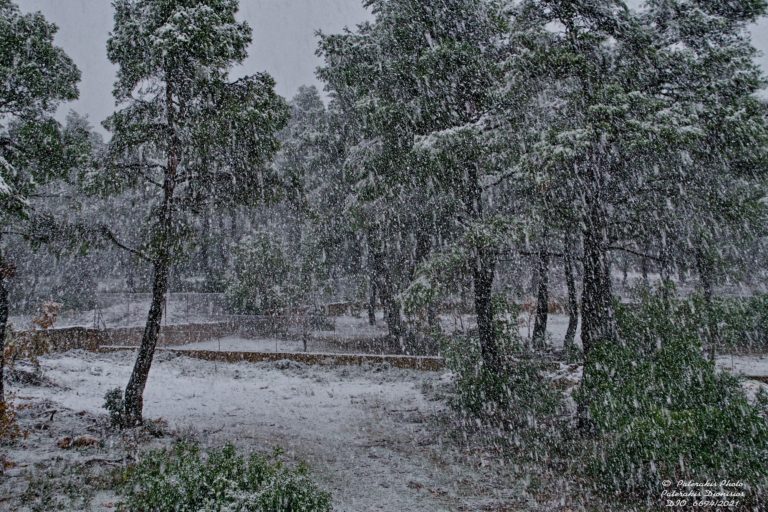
(35, 76)
(184, 130)
(418, 78)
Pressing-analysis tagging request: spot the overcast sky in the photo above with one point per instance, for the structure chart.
(283, 41)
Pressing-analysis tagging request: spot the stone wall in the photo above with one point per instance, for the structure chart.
(412, 362)
(170, 335)
(60, 340)
(70, 338)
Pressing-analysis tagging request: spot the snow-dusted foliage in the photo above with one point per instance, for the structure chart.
(35, 76)
(184, 130)
(564, 202)
(183, 479)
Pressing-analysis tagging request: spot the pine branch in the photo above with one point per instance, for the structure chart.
(109, 235)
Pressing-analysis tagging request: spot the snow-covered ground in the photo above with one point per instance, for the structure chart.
(365, 431)
(239, 344)
(749, 365)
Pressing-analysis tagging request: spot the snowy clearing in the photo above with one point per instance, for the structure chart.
(365, 431)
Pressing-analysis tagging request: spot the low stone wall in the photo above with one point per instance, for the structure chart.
(170, 335)
(410, 362)
(61, 340)
(84, 338)
(380, 345)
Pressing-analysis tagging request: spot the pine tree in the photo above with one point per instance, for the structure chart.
(184, 130)
(633, 107)
(35, 76)
(418, 79)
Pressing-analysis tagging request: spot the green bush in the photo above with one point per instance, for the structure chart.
(662, 411)
(742, 322)
(512, 397)
(182, 479)
(113, 403)
(257, 284)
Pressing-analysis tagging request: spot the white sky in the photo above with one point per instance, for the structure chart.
(284, 42)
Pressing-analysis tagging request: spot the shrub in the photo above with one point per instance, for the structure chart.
(10, 430)
(115, 406)
(661, 409)
(182, 479)
(512, 397)
(256, 285)
(742, 322)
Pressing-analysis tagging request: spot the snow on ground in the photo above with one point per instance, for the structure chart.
(754, 365)
(365, 431)
(239, 344)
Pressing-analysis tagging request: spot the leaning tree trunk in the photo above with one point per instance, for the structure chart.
(542, 297)
(134, 392)
(6, 272)
(573, 301)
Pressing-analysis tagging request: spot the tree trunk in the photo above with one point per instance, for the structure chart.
(432, 320)
(644, 271)
(573, 301)
(485, 263)
(705, 270)
(134, 400)
(483, 274)
(539, 337)
(373, 266)
(598, 322)
(6, 272)
(384, 286)
(391, 310)
(372, 300)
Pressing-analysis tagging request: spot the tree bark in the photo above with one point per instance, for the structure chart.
(598, 320)
(6, 272)
(705, 270)
(485, 263)
(134, 391)
(573, 301)
(538, 339)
